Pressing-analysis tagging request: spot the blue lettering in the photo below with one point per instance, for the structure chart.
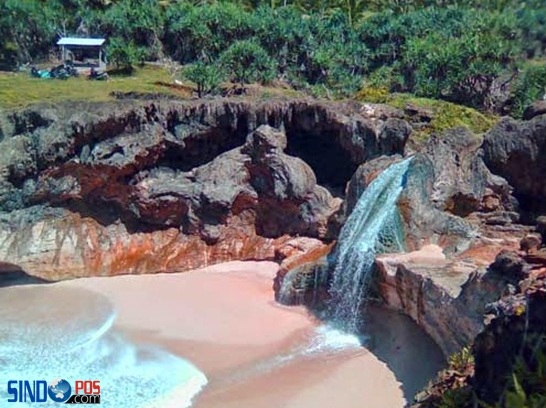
(12, 391)
(41, 391)
(31, 392)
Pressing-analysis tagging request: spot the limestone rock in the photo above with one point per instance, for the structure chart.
(517, 321)
(142, 180)
(446, 298)
(515, 150)
(530, 243)
(541, 226)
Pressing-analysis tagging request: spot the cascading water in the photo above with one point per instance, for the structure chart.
(374, 226)
(49, 333)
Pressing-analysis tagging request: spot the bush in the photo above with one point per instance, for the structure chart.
(203, 31)
(246, 62)
(530, 86)
(206, 77)
(138, 22)
(124, 55)
(27, 31)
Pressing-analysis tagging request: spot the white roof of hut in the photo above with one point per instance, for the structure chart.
(81, 42)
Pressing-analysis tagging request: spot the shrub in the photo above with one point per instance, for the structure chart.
(124, 55)
(27, 31)
(530, 86)
(203, 31)
(138, 22)
(206, 77)
(246, 62)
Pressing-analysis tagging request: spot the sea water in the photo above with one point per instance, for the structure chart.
(50, 333)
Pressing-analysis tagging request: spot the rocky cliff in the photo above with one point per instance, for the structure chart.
(457, 216)
(132, 187)
(159, 186)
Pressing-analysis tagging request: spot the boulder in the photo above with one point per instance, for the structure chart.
(515, 150)
(446, 298)
(537, 108)
(530, 243)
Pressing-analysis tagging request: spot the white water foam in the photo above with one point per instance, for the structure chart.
(54, 332)
(324, 341)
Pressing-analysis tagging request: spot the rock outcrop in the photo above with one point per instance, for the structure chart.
(515, 150)
(516, 330)
(446, 183)
(537, 108)
(505, 365)
(446, 297)
(457, 216)
(101, 189)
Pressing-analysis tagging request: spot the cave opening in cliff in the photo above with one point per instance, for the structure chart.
(201, 147)
(333, 165)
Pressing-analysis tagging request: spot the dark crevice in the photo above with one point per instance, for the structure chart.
(12, 275)
(28, 122)
(530, 207)
(333, 166)
(201, 147)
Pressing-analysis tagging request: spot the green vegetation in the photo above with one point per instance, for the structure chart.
(445, 115)
(248, 62)
(527, 385)
(18, 89)
(206, 77)
(530, 86)
(482, 54)
(125, 55)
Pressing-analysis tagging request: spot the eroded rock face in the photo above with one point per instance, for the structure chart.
(515, 150)
(233, 207)
(456, 219)
(445, 183)
(70, 245)
(159, 186)
(446, 297)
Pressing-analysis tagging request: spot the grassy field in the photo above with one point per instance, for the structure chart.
(19, 89)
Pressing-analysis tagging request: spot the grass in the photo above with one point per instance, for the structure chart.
(446, 115)
(19, 89)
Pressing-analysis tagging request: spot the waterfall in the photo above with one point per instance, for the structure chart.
(374, 226)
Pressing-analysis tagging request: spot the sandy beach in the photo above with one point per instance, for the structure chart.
(258, 354)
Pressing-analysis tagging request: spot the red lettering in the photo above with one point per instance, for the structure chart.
(88, 387)
(96, 387)
(78, 387)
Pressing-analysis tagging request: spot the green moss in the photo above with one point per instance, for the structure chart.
(373, 94)
(19, 89)
(446, 115)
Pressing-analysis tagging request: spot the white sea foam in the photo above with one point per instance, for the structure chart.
(67, 333)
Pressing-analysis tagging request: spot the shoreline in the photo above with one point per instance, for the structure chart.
(256, 353)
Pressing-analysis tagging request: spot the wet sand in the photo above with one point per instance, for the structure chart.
(255, 352)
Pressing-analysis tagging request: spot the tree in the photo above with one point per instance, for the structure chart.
(26, 30)
(124, 55)
(463, 69)
(206, 77)
(139, 22)
(246, 61)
